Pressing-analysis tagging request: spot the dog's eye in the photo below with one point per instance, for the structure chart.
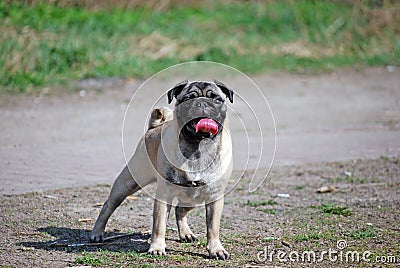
(188, 97)
(218, 100)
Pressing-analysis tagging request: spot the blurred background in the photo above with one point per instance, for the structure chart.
(54, 42)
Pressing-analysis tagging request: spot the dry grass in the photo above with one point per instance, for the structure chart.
(45, 44)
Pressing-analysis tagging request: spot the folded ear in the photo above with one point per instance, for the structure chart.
(225, 89)
(173, 92)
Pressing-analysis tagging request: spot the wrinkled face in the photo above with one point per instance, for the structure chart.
(200, 108)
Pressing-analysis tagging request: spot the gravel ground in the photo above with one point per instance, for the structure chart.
(50, 229)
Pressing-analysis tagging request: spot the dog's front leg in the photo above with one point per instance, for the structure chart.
(157, 246)
(213, 216)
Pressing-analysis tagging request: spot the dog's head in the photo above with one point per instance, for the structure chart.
(200, 108)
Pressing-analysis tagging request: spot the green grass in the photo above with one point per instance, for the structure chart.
(103, 258)
(331, 208)
(352, 180)
(202, 242)
(260, 205)
(301, 237)
(312, 236)
(270, 202)
(268, 239)
(362, 233)
(45, 44)
(92, 259)
(270, 211)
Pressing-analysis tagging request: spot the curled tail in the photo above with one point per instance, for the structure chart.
(159, 116)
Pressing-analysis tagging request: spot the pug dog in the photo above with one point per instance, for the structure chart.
(188, 152)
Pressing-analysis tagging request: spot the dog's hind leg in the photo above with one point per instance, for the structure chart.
(185, 234)
(123, 186)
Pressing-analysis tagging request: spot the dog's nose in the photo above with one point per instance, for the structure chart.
(202, 104)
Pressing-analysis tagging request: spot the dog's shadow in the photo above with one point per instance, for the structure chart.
(77, 240)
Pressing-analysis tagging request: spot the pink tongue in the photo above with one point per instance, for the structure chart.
(207, 125)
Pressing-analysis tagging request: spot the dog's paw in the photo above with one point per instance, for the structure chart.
(188, 238)
(221, 254)
(217, 251)
(96, 237)
(157, 249)
(157, 252)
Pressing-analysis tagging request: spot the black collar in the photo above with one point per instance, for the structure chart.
(190, 183)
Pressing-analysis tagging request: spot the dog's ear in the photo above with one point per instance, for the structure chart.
(173, 92)
(225, 89)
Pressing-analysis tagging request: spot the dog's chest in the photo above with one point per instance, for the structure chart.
(202, 172)
(196, 186)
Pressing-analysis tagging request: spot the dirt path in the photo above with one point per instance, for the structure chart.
(50, 142)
